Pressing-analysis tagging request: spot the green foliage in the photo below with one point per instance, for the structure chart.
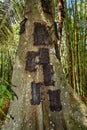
(17, 9)
(5, 24)
(5, 64)
(4, 94)
(9, 39)
(74, 48)
(10, 16)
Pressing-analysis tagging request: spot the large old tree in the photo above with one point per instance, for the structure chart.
(45, 100)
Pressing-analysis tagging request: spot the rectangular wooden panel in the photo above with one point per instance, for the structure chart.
(36, 95)
(46, 5)
(41, 35)
(48, 73)
(44, 56)
(54, 98)
(31, 60)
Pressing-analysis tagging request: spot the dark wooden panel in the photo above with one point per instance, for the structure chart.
(54, 98)
(44, 56)
(32, 60)
(48, 73)
(36, 94)
(41, 35)
(46, 5)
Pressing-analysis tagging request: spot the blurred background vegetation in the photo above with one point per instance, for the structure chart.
(10, 17)
(73, 47)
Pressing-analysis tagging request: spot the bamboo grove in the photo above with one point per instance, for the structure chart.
(74, 47)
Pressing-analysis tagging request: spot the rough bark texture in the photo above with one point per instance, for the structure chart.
(73, 115)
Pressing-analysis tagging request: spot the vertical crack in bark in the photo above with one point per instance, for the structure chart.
(57, 50)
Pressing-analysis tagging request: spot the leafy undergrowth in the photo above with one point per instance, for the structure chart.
(4, 109)
(5, 97)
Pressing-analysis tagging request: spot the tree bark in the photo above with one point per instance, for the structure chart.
(40, 117)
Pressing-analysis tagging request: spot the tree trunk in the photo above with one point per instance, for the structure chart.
(26, 113)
